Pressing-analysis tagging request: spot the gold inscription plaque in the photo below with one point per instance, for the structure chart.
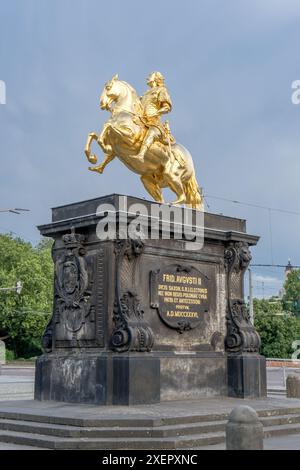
(181, 296)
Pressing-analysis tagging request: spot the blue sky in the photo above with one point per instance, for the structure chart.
(229, 67)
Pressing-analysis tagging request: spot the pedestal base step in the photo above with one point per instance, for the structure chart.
(159, 427)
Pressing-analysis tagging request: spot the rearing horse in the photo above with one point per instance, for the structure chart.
(122, 135)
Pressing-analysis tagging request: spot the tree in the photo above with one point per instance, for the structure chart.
(277, 332)
(291, 297)
(24, 317)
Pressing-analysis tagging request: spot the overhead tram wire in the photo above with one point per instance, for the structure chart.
(234, 201)
(15, 210)
(258, 206)
(272, 266)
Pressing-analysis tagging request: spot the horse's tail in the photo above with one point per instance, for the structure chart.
(193, 194)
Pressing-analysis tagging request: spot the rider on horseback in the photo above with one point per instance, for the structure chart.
(155, 102)
(135, 124)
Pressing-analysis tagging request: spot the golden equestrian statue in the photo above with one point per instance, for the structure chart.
(136, 135)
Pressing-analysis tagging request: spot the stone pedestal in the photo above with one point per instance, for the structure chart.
(246, 376)
(151, 316)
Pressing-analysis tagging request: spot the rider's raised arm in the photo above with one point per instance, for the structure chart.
(165, 101)
(165, 108)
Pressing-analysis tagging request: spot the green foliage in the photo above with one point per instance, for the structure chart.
(277, 332)
(291, 298)
(23, 317)
(9, 355)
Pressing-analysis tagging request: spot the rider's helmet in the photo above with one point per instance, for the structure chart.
(156, 77)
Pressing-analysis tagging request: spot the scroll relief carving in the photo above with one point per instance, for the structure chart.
(241, 335)
(131, 331)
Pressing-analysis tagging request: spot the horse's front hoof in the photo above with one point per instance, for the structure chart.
(98, 169)
(92, 159)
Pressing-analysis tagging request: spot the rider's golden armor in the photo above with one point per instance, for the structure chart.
(152, 102)
(155, 101)
(135, 125)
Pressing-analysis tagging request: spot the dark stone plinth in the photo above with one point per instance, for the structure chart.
(138, 319)
(247, 376)
(104, 380)
(186, 376)
(136, 380)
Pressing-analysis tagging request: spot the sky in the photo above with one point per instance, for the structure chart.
(229, 67)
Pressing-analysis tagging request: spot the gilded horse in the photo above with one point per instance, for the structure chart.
(164, 166)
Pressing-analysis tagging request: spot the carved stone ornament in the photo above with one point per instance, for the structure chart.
(72, 297)
(131, 332)
(131, 248)
(48, 336)
(241, 335)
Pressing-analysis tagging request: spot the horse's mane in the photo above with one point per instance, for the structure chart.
(130, 88)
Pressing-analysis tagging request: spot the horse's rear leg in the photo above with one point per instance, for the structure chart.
(176, 186)
(152, 187)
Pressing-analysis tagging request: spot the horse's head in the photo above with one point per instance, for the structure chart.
(110, 93)
(122, 94)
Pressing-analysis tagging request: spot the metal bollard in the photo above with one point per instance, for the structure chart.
(244, 431)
